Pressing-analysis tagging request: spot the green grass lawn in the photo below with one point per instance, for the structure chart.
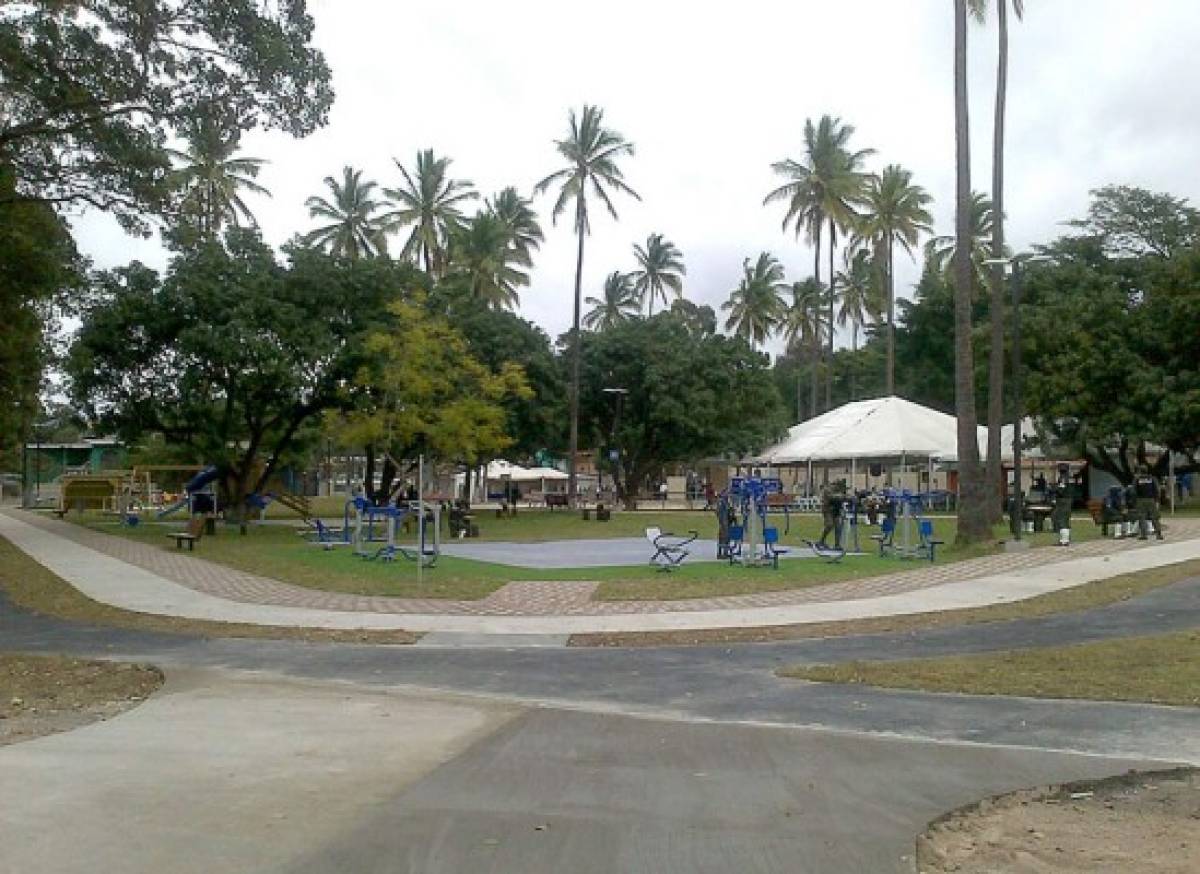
(274, 550)
(1160, 669)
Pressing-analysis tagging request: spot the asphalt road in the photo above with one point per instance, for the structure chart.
(665, 759)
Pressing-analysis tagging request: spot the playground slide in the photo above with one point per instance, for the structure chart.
(199, 481)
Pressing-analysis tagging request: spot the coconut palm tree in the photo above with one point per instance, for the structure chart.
(821, 193)
(805, 327)
(517, 213)
(992, 469)
(941, 251)
(756, 306)
(974, 522)
(212, 178)
(856, 287)
(482, 257)
(591, 152)
(430, 201)
(354, 229)
(894, 211)
(619, 303)
(660, 267)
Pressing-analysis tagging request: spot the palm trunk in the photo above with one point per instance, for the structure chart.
(814, 354)
(576, 342)
(890, 374)
(992, 470)
(973, 524)
(829, 372)
(854, 360)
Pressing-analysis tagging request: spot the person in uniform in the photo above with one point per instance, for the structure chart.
(1061, 495)
(831, 516)
(1147, 492)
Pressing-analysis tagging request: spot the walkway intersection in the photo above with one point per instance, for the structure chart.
(139, 576)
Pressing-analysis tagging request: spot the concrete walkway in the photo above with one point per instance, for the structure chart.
(214, 592)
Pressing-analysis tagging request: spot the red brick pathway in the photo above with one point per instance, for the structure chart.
(562, 598)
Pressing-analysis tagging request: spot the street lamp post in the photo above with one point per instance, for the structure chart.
(1014, 264)
(619, 394)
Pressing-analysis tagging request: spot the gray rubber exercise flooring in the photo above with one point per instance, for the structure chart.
(614, 552)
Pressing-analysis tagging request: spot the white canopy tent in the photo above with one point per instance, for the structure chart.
(493, 477)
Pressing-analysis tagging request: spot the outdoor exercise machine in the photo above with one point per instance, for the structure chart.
(669, 549)
(429, 539)
(904, 531)
(743, 535)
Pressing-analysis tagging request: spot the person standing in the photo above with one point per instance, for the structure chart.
(1147, 490)
(1062, 497)
(831, 516)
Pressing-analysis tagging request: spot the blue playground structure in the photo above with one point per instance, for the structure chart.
(199, 494)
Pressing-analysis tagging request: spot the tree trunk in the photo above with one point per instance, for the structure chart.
(995, 414)
(467, 485)
(854, 360)
(814, 355)
(829, 372)
(576, 343)
(973, 521)
(890, 370)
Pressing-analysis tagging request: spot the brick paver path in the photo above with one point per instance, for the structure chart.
(564, 598)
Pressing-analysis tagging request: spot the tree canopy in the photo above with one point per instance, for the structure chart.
(90, 92)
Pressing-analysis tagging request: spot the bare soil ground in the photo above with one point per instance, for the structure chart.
(1134, 823)
(41, 695)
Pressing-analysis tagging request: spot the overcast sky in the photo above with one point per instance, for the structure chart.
(1101, 91)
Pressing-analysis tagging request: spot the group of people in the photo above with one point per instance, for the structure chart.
(1135, 504)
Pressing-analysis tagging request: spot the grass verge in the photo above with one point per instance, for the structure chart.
(30, 585)
(1087, 596)
(1158, 669)
(276, 552)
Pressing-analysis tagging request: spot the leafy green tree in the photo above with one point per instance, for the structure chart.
(1130, 222)
(756, 308)
(517, 213)
(38, 266)
(429, 200)
(974, 516)
(483, 257)
(1112, 365)
(688, 398)
(660, 268)
(591, 152)
(941, 251)
(430, 394)
(858, 297)
(823, 190)
(895, 210)
(231, 355)
(91, 91)
(618, 303)
(354, 230)
(700, 320)
(212, 178)
(805, 328)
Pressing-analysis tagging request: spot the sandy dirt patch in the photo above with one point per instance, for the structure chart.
(42, 695)
(1134, 823)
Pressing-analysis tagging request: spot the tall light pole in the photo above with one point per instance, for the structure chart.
(619, 394)
(1015, 380)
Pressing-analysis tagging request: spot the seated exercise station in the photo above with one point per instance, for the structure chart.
(371, 529)
(744, 535)
(904, 531)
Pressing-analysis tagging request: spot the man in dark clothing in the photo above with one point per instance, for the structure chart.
(831, 515)
(1147, 491)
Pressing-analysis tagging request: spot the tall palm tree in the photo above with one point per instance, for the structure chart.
(517, 213)
(822, 192)
(756, 308)
(591, 152)
(805, 328)
(894, 211)
(992, 468)
(481, 256)
(429, 200)
(857, 290)
(941, 251)
(619, 303)
(660, 267)
(212, 178)
(354, 229)
(974, 522)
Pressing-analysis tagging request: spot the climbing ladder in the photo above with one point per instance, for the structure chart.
(298, 504)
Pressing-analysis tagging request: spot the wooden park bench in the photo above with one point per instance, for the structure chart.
(553, 501)
(190, 535)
